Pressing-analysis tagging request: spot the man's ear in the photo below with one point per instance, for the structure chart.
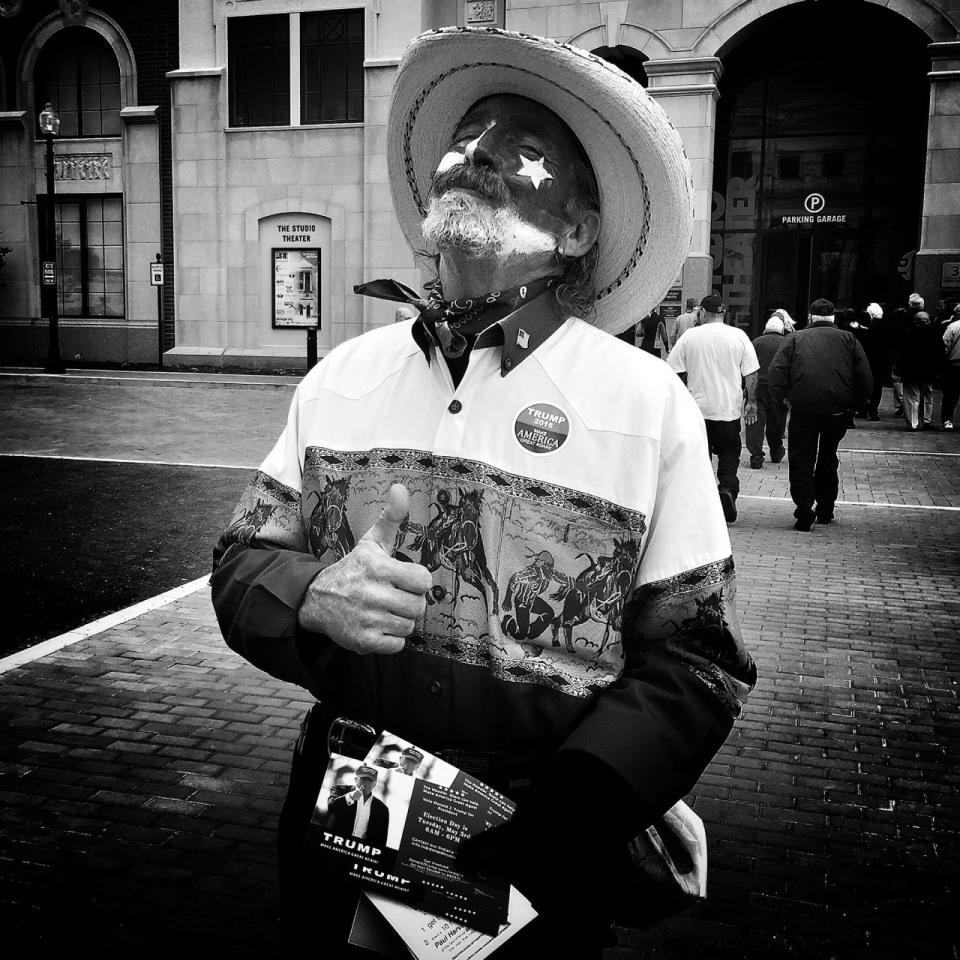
(582, 235)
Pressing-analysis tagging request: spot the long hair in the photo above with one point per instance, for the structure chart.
(576, 292)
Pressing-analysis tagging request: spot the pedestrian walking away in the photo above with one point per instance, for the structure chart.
(682, 323)
(901, 320)
(951, 371)
(824, 375)
(717, 363)
(873, 338)
(771, 414)
(430, 548)
(920, 361)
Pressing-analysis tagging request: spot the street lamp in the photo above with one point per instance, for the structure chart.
(50, 127)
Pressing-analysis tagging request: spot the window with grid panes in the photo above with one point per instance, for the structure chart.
(79, 74)
(258, 62)
(331, 67)
(89, 256)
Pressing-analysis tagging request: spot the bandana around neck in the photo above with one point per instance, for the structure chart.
(451, 322)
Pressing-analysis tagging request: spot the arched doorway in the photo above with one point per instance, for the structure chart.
(818, 164)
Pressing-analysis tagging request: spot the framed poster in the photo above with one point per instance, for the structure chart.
(296, 287)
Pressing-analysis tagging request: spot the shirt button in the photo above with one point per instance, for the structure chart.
(455, 406)
(435, 687)
(507, 364)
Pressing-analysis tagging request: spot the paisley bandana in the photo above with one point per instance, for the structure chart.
(450, 322)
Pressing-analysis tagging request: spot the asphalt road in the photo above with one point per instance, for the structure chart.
(86, 538)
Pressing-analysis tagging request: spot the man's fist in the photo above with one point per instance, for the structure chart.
(368, 602)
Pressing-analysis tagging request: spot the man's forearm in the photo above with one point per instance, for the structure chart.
(751, 383)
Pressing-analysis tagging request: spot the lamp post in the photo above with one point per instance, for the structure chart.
(50, 127)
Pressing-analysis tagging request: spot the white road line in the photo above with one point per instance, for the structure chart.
(46, 647)
(158, 463)
(859, 503)
(899, 453)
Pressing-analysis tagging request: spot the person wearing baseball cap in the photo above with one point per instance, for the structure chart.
(410, 760)
(718, 363)
(554, 199)
(359, 813)
(824, 375)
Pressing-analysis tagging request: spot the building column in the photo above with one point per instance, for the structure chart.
(687, 89)
(937, 266)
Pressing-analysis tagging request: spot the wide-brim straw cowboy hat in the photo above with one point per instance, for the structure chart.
(642, 171)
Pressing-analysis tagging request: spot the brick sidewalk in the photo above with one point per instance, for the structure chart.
(143, 767)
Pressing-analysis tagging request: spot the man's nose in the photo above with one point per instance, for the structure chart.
(482, 151)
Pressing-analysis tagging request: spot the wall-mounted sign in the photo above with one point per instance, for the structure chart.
(296, 287)
(156, 274)
(297, 233)
(49, 273)
(82, 166)
(481, 12)
(905, 265)
(813, 205)
(950, 278)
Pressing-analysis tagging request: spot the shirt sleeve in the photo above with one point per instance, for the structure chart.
(687, 672)
(262, 566)
(749, 363)
(677, 356)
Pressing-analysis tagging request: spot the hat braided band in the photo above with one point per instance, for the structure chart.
(411, 120)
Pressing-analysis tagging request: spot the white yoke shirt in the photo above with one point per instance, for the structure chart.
(565, 475)
(361, 816)
(715, 358)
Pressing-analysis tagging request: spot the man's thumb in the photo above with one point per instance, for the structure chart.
(384, 532)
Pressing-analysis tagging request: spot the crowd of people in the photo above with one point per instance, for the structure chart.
(817, 379)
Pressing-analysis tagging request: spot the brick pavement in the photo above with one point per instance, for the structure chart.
(143, 767)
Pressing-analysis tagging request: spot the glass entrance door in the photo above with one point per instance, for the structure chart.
(799, 267)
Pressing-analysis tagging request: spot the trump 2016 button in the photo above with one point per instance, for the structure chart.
(541, 428)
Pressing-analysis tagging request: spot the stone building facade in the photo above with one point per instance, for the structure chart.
(105, 66)
(824, 142)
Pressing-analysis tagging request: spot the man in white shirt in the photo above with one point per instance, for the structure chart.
(715, 361)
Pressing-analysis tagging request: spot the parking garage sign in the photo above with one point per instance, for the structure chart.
(814, 207)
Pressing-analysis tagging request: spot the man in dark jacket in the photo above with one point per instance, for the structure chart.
(823, 374)
(920, 353)
(771, 414)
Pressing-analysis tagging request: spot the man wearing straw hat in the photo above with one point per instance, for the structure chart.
(553, 197)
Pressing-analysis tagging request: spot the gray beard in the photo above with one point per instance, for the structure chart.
(466, 223)
(471, 225)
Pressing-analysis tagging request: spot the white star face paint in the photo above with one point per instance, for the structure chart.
(530, 148)
(535, 170)
(451, 159)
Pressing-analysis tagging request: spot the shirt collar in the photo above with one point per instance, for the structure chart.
(519, 333)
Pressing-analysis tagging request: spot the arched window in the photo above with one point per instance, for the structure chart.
(79, 74)
(630, 61)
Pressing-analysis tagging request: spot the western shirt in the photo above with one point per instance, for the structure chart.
(561, 496)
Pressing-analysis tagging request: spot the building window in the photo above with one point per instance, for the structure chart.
(79, 74)
(331, 67)
(741, 164)
(833, 164)
(89, 256)
(259, 69)
(788, 166)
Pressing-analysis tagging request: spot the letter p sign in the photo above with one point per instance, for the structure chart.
(814, 203)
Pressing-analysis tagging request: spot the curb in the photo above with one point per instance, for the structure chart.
(154, 380)
(45, 647)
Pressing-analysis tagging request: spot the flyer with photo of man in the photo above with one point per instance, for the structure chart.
(398, 833)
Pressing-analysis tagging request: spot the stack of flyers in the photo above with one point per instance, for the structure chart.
(398, 832)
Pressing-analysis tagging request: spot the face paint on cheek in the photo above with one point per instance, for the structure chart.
(449, 160)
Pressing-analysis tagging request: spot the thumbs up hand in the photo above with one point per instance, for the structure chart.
(368, 602)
